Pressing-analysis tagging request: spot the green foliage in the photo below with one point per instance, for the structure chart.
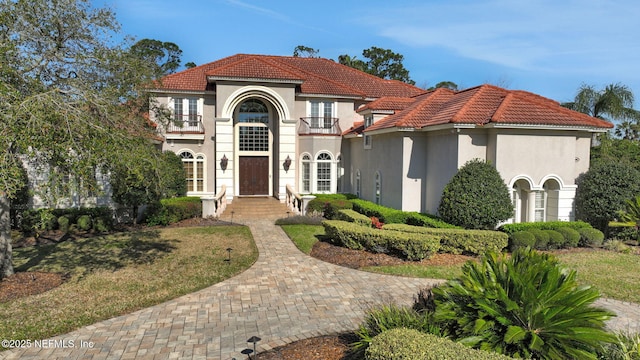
(84, 223)
(410, 344)
(165, 55)
(590, 237)
(173, 180)
(329, 206)
(542, 238)
(571, 237)
(623, 230)
(354, 217)
(625, 347)
(64, 223)
(405, 245)
(382, 63)
(459, 241)
(393, 216)
(521, 239)
(476, 197)
(169, 211)
(300, 220)
(603, 190)
(556, 240)
(387, 317)
(523, 306)
(305, 51)
(619, 150)
(547, 225)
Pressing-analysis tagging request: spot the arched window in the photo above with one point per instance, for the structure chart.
(323, 172)
(306, 173)
(358, 184)
(378, 187)
(194, 170)
(253, 111)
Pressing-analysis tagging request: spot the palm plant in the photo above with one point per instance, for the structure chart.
(526, 306)
(632, 211)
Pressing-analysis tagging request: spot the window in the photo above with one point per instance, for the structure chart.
(306, 173)
(368, 121)
(186, 112)
(540, 206)
(253, 138)
(253, 111)
(358, 184)
(194, 171)
(321, 114)
(378, 188)
(323, 172)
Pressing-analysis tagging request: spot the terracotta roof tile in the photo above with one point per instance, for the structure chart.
(319, 76)
(356, 129)
(486, 104)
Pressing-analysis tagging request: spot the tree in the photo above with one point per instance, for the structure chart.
(68, 97)
(190, 65)
(613, 103)
(166, 55)
(173, 179)
(445, 84)
(621, 150)
(382, 63)
(603, 190)
(476, 197)
(305, 51)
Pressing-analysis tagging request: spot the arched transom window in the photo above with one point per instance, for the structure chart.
(323, 172)
(194, 170)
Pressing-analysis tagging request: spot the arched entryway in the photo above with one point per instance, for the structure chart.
(254, 134)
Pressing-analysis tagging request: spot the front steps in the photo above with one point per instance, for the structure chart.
(250, 208)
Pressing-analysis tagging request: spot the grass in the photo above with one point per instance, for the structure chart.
(118, 274)
(615, 274)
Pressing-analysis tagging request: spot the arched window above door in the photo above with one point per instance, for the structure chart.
(253, 111)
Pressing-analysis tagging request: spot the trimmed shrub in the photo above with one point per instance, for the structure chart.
(542, 238)
(84, 222)
(388, 317)
(411, 246)
(511, 305)
(426, 220)
(603, 190)
(459, 241)
(521, 239)
(548, 225)
(623, 231)
(170, 211)
(411, 344)
(328, 207)
(476, 197)
(590, 237)
(354, 217)
(63, 223)
(556, 240)
(300, 220)
(571, 237)
(393, 216)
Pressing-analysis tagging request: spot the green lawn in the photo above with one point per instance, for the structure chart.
(616, 275)
(118, 274)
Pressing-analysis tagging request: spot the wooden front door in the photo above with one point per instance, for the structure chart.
(254, 175)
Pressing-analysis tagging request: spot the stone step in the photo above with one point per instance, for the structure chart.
(255, 208)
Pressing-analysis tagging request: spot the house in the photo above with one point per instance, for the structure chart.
(257, 123)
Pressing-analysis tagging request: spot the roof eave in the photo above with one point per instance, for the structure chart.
(213, 78)
(593, 129)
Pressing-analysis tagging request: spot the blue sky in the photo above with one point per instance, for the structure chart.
(549, 47)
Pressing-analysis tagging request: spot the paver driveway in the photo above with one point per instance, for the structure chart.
(283, 297)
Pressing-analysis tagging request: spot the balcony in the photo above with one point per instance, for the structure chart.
(186, 124)
(319, 126)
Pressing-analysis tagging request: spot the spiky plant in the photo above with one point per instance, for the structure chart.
(525, 306)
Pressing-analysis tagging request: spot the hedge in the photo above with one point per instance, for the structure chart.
(522, 239)
(172, 210)
(393, 216)
(328, 207)
(571, 237)
(412, 246)
(412, 344)
(556, 240)
(37, 220)
(622, 231)
(459, 241)
(591, 237)
(548, 225)
(354, 217)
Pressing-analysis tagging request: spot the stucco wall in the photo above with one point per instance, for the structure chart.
(442, 160)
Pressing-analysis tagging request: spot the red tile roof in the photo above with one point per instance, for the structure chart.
(318, 76)
(357, 128)
(483, 105)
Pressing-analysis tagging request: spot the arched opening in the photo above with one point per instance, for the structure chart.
(194, 168)
(254, 124)
(551, 190)
(323, 172)
(520, 197)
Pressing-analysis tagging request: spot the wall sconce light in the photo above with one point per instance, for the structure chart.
(287, 164)
(223, 162)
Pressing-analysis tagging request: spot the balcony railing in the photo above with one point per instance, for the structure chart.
(319, 126)
(186, 124)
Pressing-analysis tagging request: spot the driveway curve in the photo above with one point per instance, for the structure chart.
(285, 296)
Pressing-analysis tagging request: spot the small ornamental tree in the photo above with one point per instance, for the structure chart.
(603, 191)
(476, 197)
(173, 180)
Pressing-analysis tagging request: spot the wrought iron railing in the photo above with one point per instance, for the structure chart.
(319, 125)
(187, 123)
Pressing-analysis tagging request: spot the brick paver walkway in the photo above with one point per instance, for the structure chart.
(285, 296)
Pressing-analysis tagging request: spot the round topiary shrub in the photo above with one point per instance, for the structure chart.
(84, 223)
(542, 239)
(521, 239)
(590, 237)
(63, 223)
(556, 240)
(476, 197)
(571, 237)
